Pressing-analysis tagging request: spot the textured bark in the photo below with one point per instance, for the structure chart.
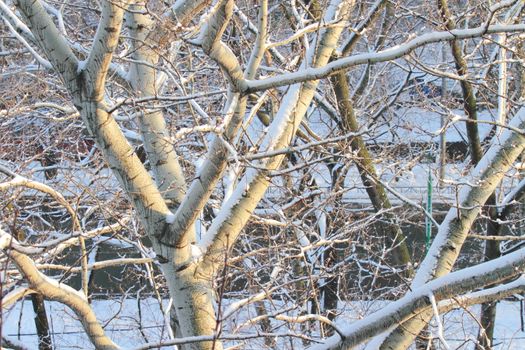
(330, 290)
(373, 14)
(492, 251)
(86, 85)
(193, 301)
(189, 278)
(49, 39)
(41, 322)
(476, 153)
(417, 302)
(217, 156)
(488, 311)
(398, 51)
(144, 80)
(202, 187)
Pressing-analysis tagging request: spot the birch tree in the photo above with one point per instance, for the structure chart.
(228, 134)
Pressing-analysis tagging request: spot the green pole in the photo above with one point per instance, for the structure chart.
(428, 223)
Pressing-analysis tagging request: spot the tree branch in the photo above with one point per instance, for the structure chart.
(50, 40)
(235, 212)
(104, 44)
(443, 288)
(375, 57)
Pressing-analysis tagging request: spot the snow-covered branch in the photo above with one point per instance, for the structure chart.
(376, 57)
(53, 290)
(412, 303)
(237, 210)
(20, 181)
(210, 39)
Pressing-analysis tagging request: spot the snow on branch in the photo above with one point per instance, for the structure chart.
(58, 245)
(42, 61)
(20, 181)
(99, 265)
(454, 229)
(210, 39)
(208, 175)
(376, 57)
(237, 210)
(10, 17)
(260, 43)
(486, 176)
(216, 337)
(15, 295)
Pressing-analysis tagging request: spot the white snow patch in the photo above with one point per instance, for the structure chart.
(196, 252)
(170, 218)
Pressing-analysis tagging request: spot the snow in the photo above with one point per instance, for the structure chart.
(421, 125)
(170, 218)
(428, 265)
(408, 175)
(512, 194)
(402, 308)
(5, 239)
(407, 178)
(196, 252)
(81, 66)
(460, 327)
(72, 179)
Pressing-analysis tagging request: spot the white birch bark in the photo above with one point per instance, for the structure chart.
(144, 79)
(86, 84)
(190, 281)
(375, 57)
(216, 159)
(236, 212)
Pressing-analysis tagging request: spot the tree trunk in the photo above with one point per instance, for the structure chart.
(376, 192)
(37, 300)
(331, 286)
(192, 293)
(492, 251)
(41, 323)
